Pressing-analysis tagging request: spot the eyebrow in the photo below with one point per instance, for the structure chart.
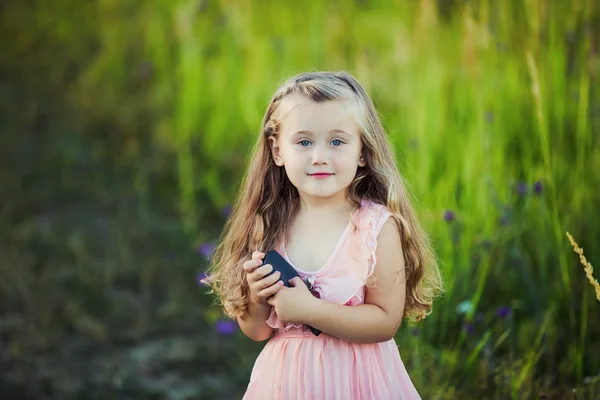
(310, 133)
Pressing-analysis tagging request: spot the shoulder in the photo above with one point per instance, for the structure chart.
(389, 239)
(377, 238)
(389, 230)
(386, 231)
(374, 215)
(389, 253)
(371, 208)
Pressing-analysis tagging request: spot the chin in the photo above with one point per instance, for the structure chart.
(323, 190)
(322, 194)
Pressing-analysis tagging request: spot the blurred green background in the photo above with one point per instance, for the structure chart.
(124, 132)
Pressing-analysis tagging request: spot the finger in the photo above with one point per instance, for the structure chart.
(258, 255)
(259, 279)
(251, 265)
(269, 280)
(271, 290)
(264, 292)
(263, 271)
(262, 283)
(271, 301)
(295, 281)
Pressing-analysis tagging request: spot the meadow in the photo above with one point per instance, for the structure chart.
(125, 128)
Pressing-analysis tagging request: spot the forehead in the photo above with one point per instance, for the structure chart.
(297, 112)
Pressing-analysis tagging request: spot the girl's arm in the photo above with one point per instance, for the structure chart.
(254, 324)
(379, 318)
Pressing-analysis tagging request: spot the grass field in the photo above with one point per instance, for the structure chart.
(126, 127)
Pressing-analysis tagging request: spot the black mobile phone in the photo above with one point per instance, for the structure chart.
(287, 272)
(280, 264)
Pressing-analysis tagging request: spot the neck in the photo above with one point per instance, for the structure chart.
(325, 206)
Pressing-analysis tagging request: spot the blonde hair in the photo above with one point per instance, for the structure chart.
(267, 202)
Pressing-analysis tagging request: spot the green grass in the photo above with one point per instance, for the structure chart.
(480, 98)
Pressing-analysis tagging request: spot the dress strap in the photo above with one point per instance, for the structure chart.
(372, 219)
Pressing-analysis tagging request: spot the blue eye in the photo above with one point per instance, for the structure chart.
(337, 142)
(304, 143)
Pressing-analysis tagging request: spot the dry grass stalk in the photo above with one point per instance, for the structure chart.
(587, 266)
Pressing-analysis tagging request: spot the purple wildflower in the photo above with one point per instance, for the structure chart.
(521, 188)
(225, 327)
(503, 312)
(206, 249)
(480, 317)
(469, 328)
(537, 187)
(415, 331)
(449, 216)
(489, 117)
(226, 211)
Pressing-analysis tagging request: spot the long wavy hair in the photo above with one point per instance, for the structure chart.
(267, 203)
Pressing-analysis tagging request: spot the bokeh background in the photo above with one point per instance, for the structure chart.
(125, 128)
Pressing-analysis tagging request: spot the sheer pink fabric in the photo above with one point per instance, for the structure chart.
(297, 365)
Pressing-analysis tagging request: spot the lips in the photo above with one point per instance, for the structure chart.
(320, 175)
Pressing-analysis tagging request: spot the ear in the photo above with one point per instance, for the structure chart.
(275, 151)
(362, 161)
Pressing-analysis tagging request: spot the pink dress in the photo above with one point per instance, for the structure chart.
(296, 365)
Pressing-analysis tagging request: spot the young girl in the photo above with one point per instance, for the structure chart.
(323, 189)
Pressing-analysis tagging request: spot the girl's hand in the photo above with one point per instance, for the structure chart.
(261, 288)
(292, 304)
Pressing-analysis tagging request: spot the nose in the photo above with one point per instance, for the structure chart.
(319, 156)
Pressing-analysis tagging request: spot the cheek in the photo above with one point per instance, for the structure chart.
(294, 164)
(295, 157)
(294, 160)
(346, 160)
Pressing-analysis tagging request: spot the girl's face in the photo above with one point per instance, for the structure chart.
(319, 145)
